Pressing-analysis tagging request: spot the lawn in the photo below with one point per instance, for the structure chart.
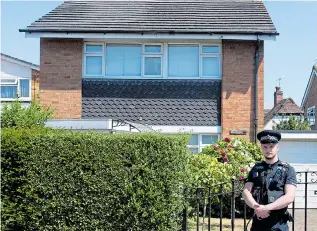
(226, 224)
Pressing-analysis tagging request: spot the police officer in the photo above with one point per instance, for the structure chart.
(270, 187)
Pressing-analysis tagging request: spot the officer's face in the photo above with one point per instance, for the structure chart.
(269, 150)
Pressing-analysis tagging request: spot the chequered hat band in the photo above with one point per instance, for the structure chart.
(269, 138)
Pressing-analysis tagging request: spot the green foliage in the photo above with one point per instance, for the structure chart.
(15, 115)
(222, 162)
(292, 124)
(59, 180)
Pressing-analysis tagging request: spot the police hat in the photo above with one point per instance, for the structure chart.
(269, 136)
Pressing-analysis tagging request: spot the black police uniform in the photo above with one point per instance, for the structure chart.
(269, 181)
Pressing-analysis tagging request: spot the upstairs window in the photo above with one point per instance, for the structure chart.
(311, 116)
(154, 60)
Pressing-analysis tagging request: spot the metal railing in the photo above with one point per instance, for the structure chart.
(202, 200)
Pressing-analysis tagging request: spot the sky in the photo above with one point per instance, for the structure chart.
(292, 55)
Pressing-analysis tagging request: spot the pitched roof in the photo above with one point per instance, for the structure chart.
(158, 16)
(20, 61)
(154, 102)
(284, 107)
(309, 85)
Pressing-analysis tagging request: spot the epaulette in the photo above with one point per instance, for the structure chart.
(284, 164)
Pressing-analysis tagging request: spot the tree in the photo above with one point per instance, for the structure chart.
(16, 115)
(292, 124)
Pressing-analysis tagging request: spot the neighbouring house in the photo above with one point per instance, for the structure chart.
(282, 110)
(19, 79)
(194, 66)
(309, 102)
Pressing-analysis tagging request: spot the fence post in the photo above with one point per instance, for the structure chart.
(221, 205)
(306, 182)
(209, 215)
(185, 211)
(233, 205)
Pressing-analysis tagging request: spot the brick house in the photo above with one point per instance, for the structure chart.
(309, 101)
(282, 110)
(172, 65)
(19, 78)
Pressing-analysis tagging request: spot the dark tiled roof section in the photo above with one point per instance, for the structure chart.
(284, 107)
(154, 102)
(161, 16)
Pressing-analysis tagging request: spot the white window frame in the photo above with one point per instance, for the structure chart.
(151, 55)
(101, 54)
(209, 55)
(164, 59)
(311, 119)
(17, 84)
(200, 146)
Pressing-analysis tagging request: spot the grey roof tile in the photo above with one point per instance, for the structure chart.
(161, 16)
(154, 102)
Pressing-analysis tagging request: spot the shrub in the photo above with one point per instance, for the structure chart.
(58, 180)
(16, 115)
(222, 162)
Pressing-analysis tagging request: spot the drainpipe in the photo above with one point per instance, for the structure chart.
(256, 67)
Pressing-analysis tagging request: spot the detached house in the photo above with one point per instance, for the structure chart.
(19, 79)
(171, 65)
(283, 109)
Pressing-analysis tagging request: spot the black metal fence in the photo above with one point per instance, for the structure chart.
(202, 203)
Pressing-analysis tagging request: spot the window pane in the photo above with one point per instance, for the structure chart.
(152, 48)
(210, 66)
(8, 91)
(94, 48)
(183, 61)
(8, 81)
(193, 140)
(24, 88)
(123, 60)
(93, 65)
(208, 139)
(152, 66)
(210, 49)
(193, 150)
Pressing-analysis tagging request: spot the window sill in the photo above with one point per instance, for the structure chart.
(12, 100)
(147, 77)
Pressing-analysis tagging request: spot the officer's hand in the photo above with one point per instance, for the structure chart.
(262, 212)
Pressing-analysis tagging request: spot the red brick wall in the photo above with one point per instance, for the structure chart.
(312, 100)
(35, 88)
(237, 100)
(61, 76)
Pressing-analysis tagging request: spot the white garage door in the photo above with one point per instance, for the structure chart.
(302, 155)
(299, 152)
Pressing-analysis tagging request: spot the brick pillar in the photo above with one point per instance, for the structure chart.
(237, 100)
(61, 76)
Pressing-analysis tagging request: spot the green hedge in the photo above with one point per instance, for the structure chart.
(58, 180)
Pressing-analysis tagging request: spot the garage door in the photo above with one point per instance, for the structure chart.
(302, 155)
(299, 152)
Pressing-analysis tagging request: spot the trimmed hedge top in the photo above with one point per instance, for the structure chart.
(59, 180)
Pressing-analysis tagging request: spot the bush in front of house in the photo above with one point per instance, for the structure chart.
(59, 180)
(226, 160)
(14, 114)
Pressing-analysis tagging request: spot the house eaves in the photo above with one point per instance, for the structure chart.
(201, 17)
(20, 62)
(308, 87)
